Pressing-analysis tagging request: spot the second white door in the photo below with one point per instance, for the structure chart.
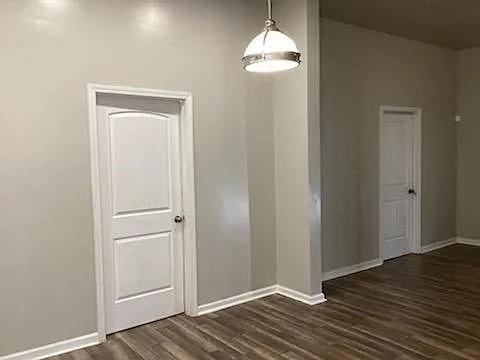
(140, 185)
(398, 193)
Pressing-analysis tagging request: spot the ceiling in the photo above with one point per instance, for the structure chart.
(450, 23)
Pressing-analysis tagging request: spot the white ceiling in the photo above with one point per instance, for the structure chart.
(450, 23)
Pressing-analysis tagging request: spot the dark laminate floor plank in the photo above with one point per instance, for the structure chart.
(414, 307)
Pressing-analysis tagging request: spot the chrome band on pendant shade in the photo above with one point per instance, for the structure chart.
(283, 55)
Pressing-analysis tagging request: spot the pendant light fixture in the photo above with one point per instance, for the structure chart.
(271, 50)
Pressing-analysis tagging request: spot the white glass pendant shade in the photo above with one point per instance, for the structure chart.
(269, 42)
(271, 50)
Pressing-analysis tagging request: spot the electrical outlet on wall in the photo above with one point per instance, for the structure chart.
(458, 118)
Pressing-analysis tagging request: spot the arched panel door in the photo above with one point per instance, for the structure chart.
(140, 186)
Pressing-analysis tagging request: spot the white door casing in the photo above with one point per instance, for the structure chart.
(400, 181)
(185, 100)
(140, 196)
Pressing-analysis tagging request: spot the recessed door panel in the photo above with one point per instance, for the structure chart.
(395, 225)
(143, 265)
(140, 154)
(397, 134)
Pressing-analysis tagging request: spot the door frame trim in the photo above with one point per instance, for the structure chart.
(188, 192)
(416, 241)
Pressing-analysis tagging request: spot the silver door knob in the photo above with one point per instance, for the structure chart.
(178, 219)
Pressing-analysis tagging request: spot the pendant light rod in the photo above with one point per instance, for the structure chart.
(270, 24)
(269, 9)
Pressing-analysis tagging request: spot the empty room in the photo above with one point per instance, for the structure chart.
(240, 179)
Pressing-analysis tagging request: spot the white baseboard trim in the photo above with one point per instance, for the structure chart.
(378, 262)
(437, 245)
(93, 339)
(257, 294)
(348, 270)
(304, 298)
(58, 348)
(236, 300)
(466, 241)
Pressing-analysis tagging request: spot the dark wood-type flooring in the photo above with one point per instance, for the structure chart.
(414, 307)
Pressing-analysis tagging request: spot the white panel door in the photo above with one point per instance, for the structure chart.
(397, 183)
(141, 195)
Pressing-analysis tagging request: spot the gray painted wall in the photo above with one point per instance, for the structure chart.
(50, 51)
(260, 166)
(468, 171)
(361, 70)
(291, 172)
(295, 100)
(314, 148)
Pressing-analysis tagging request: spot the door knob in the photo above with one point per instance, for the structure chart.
(178, 219)
(412, 192)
